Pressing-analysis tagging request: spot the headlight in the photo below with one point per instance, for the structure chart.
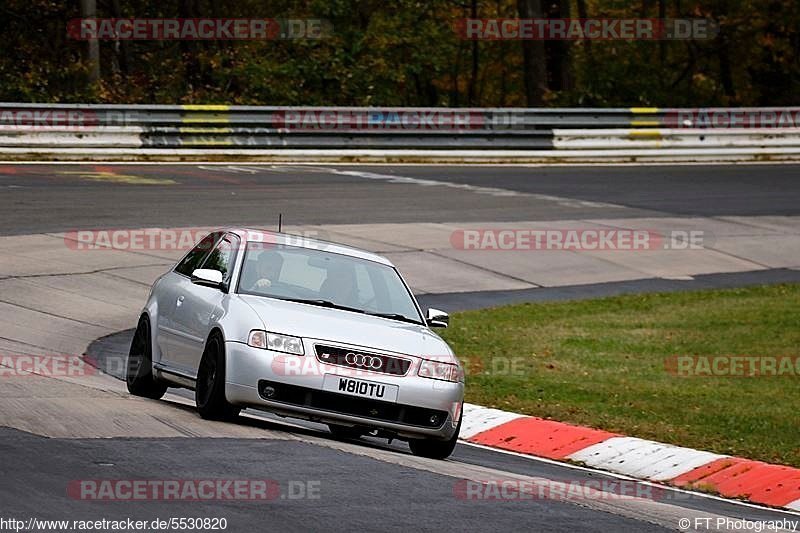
(275, 341)
(439, 370)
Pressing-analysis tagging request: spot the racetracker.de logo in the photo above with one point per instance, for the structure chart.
(389, 119)
(198, 29)
(50, 365)
(720, 118)
(179, 239)
(47, 119)
(134, 239)
(191, 489)
(576, 240)
(356, 364)
(544, 489)
(737, 366)
(572, 29)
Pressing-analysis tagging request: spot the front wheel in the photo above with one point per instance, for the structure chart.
(209, 394)
(139, 371)
(435, 449)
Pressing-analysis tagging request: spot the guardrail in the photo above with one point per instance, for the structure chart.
(194, 132)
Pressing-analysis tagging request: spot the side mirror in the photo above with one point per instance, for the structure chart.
(207, 278)
(437, 319)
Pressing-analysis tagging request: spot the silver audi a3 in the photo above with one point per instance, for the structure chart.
(302, 328)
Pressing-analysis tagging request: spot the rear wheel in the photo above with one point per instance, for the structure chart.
(139, 372)
(345, 432)
(209, 394)
(435, 449)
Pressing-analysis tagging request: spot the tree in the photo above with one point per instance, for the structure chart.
(89, 11)
(534, 58)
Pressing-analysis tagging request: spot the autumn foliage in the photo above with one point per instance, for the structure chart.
(407, 53)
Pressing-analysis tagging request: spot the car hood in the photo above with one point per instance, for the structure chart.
(345, 327)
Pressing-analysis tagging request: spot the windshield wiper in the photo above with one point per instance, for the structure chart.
(321, 303)
(396, 316)
(334, 305)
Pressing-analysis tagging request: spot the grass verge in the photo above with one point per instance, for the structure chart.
(603, 363)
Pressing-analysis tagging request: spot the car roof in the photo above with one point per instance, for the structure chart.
(300, 241)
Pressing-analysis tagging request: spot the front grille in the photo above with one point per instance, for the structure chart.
(350, 405)
(384, 364)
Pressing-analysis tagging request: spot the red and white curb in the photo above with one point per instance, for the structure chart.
(731, 477)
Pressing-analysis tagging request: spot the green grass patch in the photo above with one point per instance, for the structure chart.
(601, 363)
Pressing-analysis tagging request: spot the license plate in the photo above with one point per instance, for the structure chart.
(361, 388)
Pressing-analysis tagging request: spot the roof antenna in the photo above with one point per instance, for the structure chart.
(280, 222)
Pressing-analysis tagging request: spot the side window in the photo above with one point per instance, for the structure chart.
(221, 257)
(193, 259)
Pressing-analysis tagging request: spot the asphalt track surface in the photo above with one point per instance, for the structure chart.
(465, 301)
(53, 198)
(355, 493)
(357, 490)
(39, 198)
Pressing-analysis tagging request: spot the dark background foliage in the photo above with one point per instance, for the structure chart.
(407, 53)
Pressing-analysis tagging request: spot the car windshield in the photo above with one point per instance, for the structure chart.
(327, 279)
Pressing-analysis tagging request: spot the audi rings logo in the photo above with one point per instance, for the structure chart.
(363, 361)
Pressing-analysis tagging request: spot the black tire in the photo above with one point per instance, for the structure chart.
(345, 432)
(209, 394)
(435, 449)
(139, 372)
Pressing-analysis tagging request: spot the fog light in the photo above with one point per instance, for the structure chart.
(268, 392)
(434, 420)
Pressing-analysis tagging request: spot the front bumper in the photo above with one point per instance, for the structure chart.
(298, 382)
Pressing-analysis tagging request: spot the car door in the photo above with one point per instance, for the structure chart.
(197, 306)
(171, 294)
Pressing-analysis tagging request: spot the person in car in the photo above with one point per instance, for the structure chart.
(268, 269)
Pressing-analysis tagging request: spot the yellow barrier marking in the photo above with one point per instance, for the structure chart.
(126, 179)
(645, 123)
(206, 107)
(206, 118)
(205, 130)
(645, 133)
(207, 142)
(213, 114)
(644, 110)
